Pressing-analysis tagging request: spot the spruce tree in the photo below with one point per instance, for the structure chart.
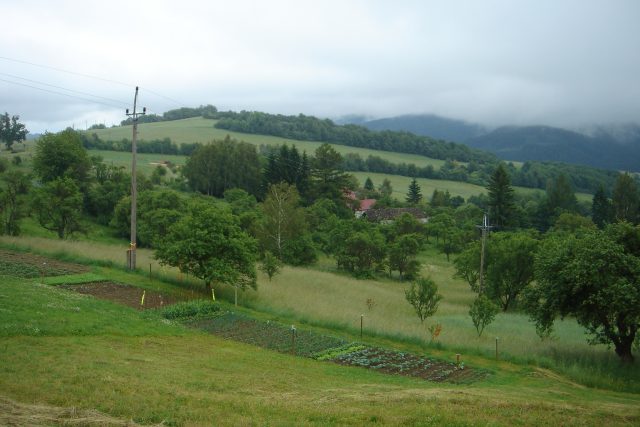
(501, 206)
(414, 194)
(368, 184)
(601, 209)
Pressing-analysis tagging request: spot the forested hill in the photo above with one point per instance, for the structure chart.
(543, 143)
(308, 128)
(428, 125)
(615, 146)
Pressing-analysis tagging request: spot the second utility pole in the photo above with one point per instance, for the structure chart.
(131, 253)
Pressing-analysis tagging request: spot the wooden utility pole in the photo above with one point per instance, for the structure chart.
(131, 253)
(485, 227)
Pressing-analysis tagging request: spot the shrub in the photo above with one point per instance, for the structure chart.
(195, 308)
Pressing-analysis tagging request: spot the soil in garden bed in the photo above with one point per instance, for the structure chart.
(26, 265)
(123, 294)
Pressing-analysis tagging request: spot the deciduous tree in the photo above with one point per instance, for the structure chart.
(209, 244)
(58, 206)
(61, 154)
(11, 130)
(593, 277)
(424, 297)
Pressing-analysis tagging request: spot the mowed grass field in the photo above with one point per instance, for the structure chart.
(69, 358)
(201, 130)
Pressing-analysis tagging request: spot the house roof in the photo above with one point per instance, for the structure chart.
(367, 204)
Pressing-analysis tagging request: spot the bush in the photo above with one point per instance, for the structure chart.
(195, 308)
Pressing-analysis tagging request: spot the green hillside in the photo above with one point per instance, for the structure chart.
(112, 363)
(201, 130)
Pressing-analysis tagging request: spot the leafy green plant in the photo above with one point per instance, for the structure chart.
(191, 309)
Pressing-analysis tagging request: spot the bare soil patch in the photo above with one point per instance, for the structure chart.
(124, 294)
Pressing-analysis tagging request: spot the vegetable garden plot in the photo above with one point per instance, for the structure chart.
(26, 265)
(276, 336)
(123, 294)
(271, 335)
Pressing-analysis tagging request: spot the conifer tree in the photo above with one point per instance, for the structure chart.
(414, 195)
(601, 209)
(501, 206)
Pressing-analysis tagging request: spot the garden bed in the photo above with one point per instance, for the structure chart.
(278, 337)
(271, 335)
(26, 265)
(407, 364)
(123, 294)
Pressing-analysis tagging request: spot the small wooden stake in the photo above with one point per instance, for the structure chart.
(458, 360)
(496, 348)
(361, 321)
(293, 340)
(150, 272)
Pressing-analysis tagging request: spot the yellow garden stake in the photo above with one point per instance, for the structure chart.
(213, 294)
(142, 300)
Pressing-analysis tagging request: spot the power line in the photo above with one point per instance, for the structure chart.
(59, 93)
(89, 76)
(64, 88)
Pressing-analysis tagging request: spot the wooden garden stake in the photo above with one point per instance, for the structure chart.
(150, 272)
(361, 321)
(458, 360)
(293, 340)
(496, 348)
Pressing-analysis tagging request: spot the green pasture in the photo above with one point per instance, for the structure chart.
(400, 186)
(201, 130)
(68, 358)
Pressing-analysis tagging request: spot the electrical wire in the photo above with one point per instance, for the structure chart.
(64, 88)
(59, 93)
(89, 76)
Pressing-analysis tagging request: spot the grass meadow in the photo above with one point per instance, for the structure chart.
(198, 129)
(71, 358)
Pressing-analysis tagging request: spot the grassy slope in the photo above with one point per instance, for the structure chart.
(202, 130)
(323, 297)
(87, 353)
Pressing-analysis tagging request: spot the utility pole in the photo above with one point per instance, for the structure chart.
(485, 227)
(131, 253)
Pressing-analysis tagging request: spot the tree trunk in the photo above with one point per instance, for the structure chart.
(623, 348)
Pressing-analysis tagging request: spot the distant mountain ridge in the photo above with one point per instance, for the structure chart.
(615, 146)
(429, 125)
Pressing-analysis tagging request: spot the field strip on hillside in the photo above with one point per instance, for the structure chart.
(287, 339)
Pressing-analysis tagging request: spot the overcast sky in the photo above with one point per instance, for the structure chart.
(563, 63)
